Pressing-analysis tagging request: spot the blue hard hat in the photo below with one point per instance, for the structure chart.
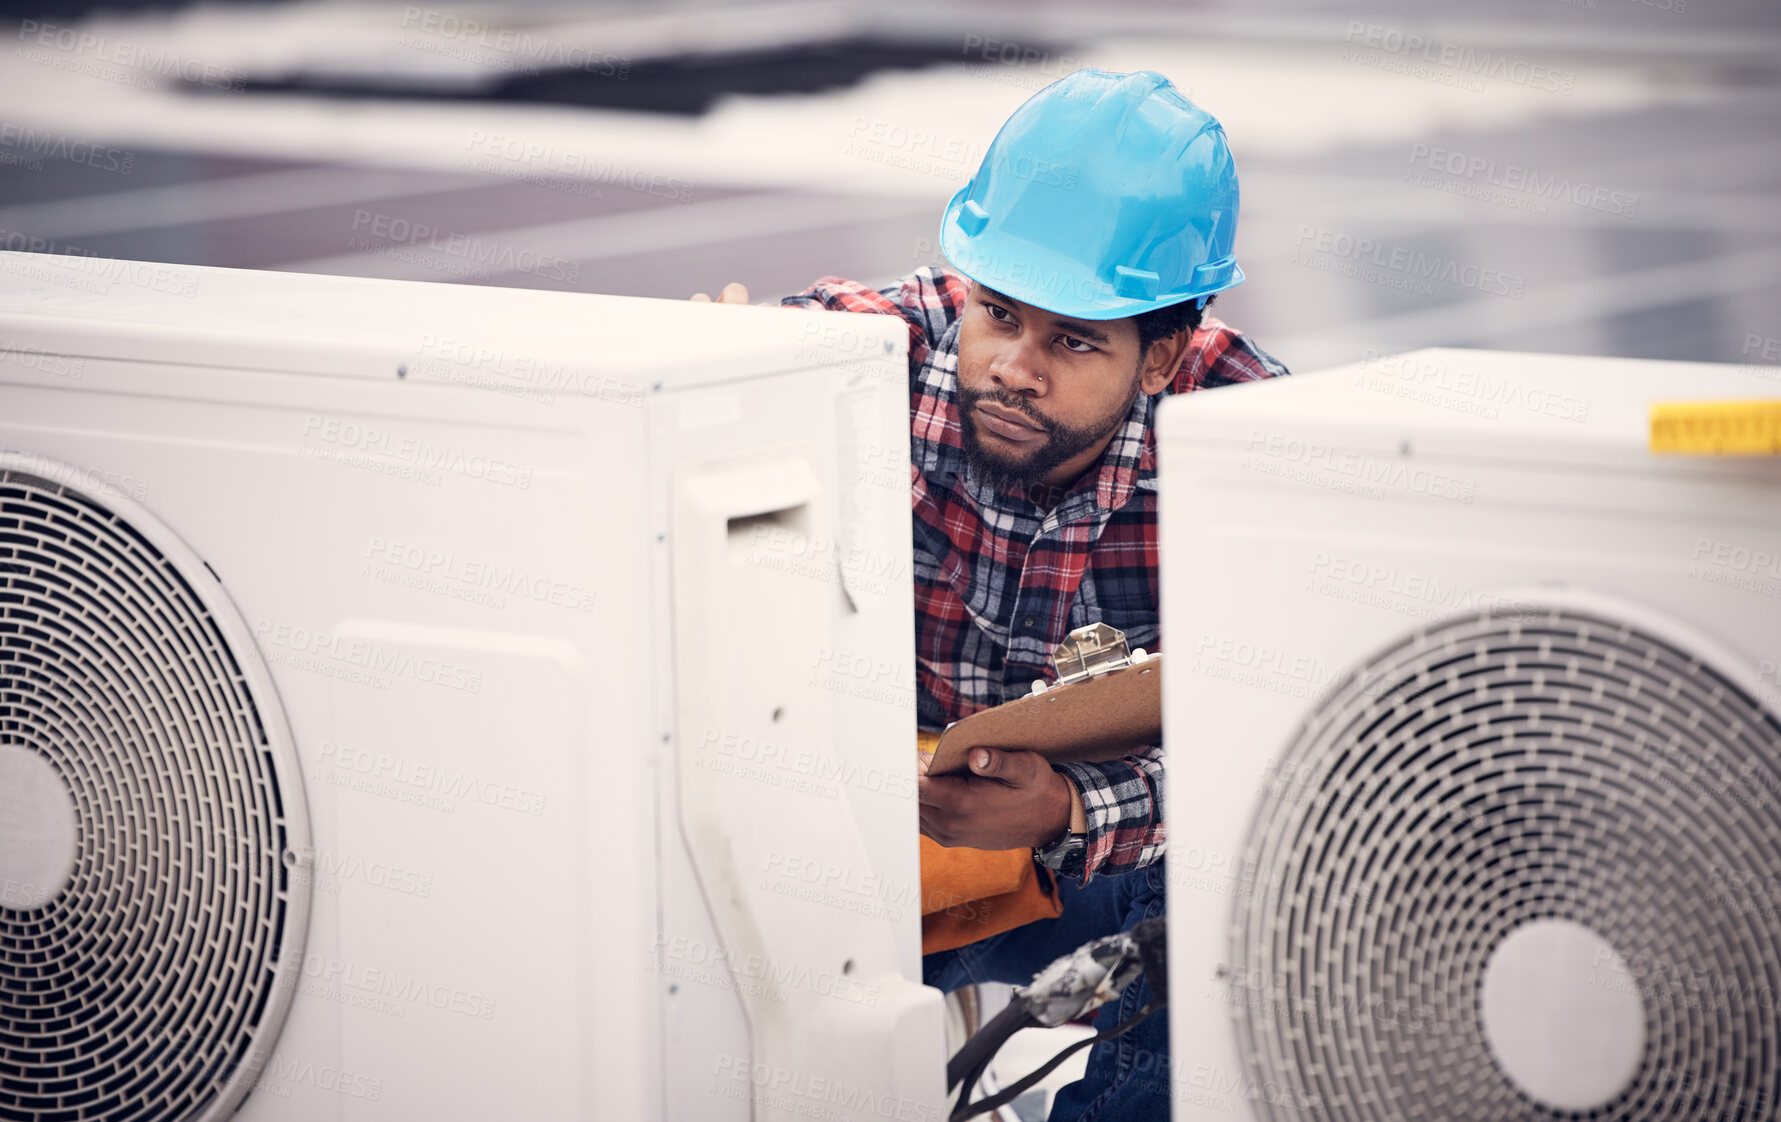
(1104, 196)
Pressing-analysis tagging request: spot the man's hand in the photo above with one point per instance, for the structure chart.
(733, 293)
(1010, 800)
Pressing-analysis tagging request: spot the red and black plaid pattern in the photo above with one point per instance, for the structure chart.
(999, 582)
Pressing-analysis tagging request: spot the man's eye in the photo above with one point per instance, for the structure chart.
(997, 312)
(1073, 344)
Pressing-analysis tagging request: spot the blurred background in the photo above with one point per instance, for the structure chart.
(1583, 176)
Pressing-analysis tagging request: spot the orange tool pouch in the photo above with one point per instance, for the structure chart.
(971, 894)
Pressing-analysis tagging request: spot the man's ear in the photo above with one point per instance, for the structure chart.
(1162, 360)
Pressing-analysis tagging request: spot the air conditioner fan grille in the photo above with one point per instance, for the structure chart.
(1487, 773)
(144, 984)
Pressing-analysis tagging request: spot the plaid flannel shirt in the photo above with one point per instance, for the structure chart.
(1000, 582)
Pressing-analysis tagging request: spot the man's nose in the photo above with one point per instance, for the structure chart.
(1018, 370)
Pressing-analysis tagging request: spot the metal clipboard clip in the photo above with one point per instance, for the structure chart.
(1089, 652)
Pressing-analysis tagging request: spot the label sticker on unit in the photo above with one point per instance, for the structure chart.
(1717, 428)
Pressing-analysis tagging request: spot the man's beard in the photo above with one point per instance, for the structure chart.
(1027, 471)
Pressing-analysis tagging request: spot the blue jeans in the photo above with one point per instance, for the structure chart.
(1128, 1077)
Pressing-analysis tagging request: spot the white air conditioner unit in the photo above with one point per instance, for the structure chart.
(1475, 783)
(428, 701)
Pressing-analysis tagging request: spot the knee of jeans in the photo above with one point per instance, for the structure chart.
(1135, 1052)
(1156, 879)
(950, 970)
(940, 970)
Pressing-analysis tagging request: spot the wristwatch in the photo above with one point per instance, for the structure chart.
(1068, 853)
(1066, 856)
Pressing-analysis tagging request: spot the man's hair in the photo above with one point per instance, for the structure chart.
(1164, 322)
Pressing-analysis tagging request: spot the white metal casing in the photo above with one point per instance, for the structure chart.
(680, 903)
(1310, 523)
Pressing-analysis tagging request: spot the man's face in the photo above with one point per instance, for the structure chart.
(1041, 395)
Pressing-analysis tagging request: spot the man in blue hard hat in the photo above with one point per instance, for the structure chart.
(1086, 248)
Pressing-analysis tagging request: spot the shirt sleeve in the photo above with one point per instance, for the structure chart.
(1223, 356)
(929, 299)
(1123, 802)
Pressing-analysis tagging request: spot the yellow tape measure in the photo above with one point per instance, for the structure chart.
(1717, 428)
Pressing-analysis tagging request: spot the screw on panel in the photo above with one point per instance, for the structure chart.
(1404, 448)
(889, 347)
(656, 386)
(401, 370)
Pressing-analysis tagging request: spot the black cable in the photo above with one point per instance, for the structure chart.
(980, 1051)
(1009, 1094)
(973, 1059)
(1148, 939)
(969, 1086)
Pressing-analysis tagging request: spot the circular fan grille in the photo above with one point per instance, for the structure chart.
(139, 983)
(1486, 774)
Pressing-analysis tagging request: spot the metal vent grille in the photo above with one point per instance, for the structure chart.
(145, 984)
(1485, 774)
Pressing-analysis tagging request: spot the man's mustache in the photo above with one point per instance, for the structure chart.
(1011, 402)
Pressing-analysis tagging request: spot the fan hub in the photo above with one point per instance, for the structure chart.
(1562, 1014)
(39, 833)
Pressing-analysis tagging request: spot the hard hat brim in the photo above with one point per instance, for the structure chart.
(1043, 277)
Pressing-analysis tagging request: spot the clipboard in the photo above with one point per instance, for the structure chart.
(1107, 703)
